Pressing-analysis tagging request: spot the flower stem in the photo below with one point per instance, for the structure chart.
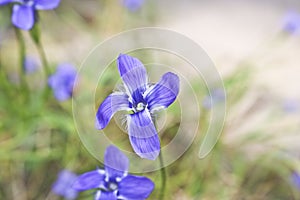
(3, 77)
(36, 37)
(35, 34)
(163, 177)
(22, 53)
(163, 171)
(44, 59)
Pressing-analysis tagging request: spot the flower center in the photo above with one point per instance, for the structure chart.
(140, 106)
(112, 186)
(27, 2)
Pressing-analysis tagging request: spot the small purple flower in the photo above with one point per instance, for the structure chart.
(292, 22)
(23, 15)
(141, 100)
(114, 182)
(63, 185)
(30, 65)
(62, 81)
(290, 105)
(216, 96)
(295, 178)
(133, 5)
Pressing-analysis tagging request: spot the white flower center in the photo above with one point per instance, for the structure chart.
(112, 186)
(140, 106)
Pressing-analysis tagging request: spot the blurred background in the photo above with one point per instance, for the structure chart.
(254, 45)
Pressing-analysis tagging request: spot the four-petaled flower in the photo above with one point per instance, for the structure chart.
(63, 185)
(114, 182)
(62, 81)
(23, 15)
(141, 100)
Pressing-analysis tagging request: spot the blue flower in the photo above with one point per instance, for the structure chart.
(295, 178)
(62, 81)
(292, 22)
(30, 65)
(217, 95)
(23, 14)
(141, 100)
(114, 182)
(291, 105)
(133, 5)
(63, 185)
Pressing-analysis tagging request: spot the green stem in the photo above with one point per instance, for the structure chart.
(163, 177)
(36, 37)
(22, 52)
(35, 34)
(3, 77)
(163, 171)
(44, 59)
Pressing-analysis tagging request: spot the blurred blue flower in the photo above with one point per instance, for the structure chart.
(63, 185)
(114, 181)
(295, 178)
(292, 22)
(141, 100)
(23, 14)
(291, 105)
(30, 64)
(133, 5)
(216, 96)
(62, 81)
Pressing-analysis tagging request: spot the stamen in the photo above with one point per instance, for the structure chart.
(140, 106)
(112, 186)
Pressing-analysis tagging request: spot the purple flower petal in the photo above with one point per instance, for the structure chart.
(46, 4)
(162, 94)
(63, 185)
(116, 163)
(90, 180)
(133, 5)
(133, 73)
(295, 178)
(291, 105)
(23, 16)
(61, 94)
(62, 81)
(30, 64)
(143, 136)
(102, 195)
(135, 187)
(113, 103)
(3, 2)
(292, 22)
